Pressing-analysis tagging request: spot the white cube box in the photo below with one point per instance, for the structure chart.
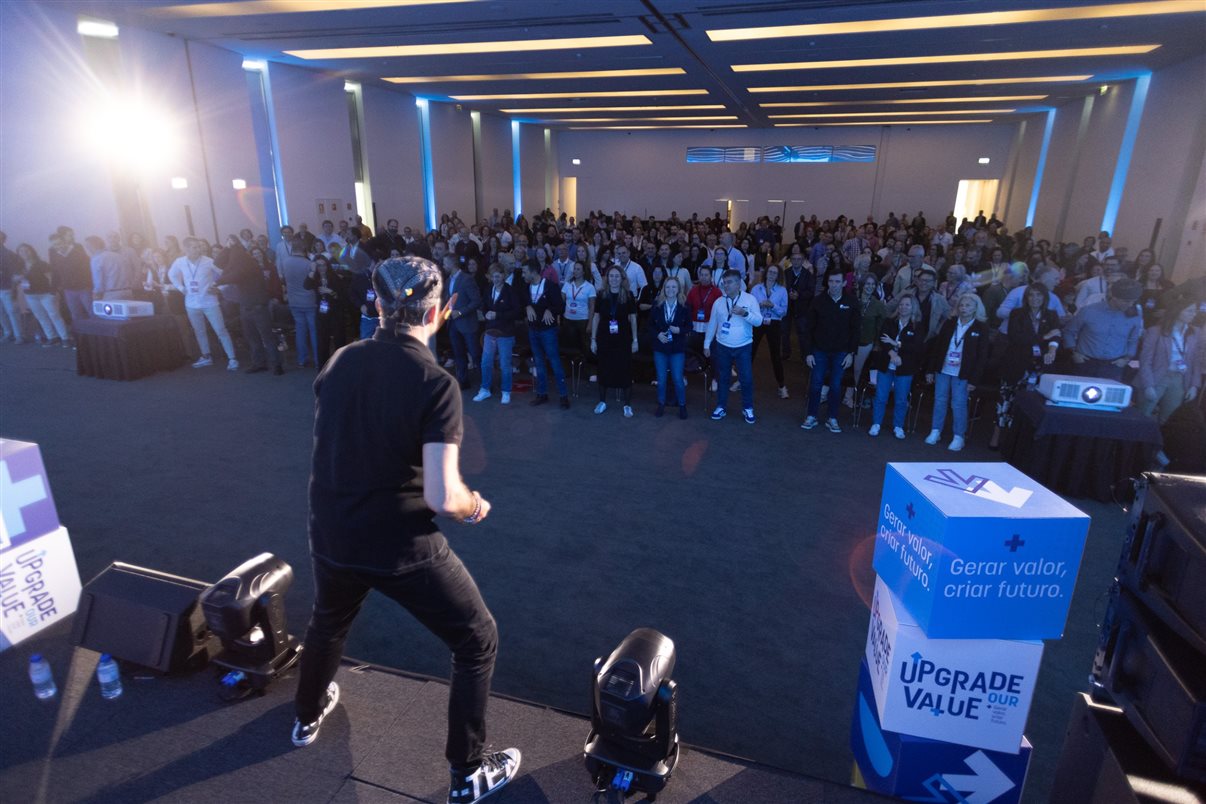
(973, 692)
(39, 585)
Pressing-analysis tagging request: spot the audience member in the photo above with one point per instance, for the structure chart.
(542, 307)
(500, 310)
(1170, 363)
(1104, 337)
(669, 324)
(614, 339)
(896, 359)
(730, 334)
(832, 335)
(196, 276)
(958, 357)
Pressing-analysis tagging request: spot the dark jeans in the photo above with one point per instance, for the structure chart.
(257, 331)
(723, 358)
(544, 348)
(1101, 369)
(771, 332)
(465, 347)
(440, 594)
(78, 304)
(797, 325)
(827, 371)
(332, 334)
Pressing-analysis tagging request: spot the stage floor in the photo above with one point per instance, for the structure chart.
(172, 739)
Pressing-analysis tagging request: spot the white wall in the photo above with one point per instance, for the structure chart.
(391, 143)
(532, 168)
(48, 175)
(647, 173)
(497, 189)
(315, 142)
(452, 159)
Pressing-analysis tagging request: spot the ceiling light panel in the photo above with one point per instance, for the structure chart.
(592, 109)
(635, 119)
(448, 79)
(461, 48)
(1113, 10)
(250, 8)
(644, 128)
(972, 99)
(882, 123)
(890, 114)
(968, 82)
(636, 93)
(954, 58)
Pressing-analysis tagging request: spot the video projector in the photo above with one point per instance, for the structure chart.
(122, 309)
(1084, 392)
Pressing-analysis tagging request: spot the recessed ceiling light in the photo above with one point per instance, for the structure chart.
(637, 93)
(882, 123)
(448, 79)
(249, 8)
(101, 29)
(952, 58)
(889, 114)
(634, 128)
(179, 183)
(981, 99)
(460, 48)
(255, 65)
(967, 82)
(564, 109)
(575, 161)
(238, 184)
(622, 119)
(984, 160)
(959, 20)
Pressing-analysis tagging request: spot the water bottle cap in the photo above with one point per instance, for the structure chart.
(106, 657)
(37, 657)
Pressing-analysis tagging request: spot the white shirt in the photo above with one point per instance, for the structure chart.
(577, 300)
(564, 269)
(636, 277)
(1091, 291)
(733, 330)
(195, 281)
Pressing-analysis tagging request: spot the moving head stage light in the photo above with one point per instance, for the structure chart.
(633, 741)
(246, 611)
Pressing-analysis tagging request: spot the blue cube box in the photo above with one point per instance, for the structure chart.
(919, 769)
(978, 550)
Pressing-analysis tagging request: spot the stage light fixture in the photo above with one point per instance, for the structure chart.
(246, 611)
(633, 740)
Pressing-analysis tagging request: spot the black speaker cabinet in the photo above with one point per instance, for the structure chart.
(143, 616)
(1104, 761)
(1159, 682)
(1164, 557)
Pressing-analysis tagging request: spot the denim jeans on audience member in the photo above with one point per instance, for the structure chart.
(45, 307)
(544, 347)
(951, 391)
(828, 370)
(368, 326)
(504, 347)
(10, 318)
(723, 359)
(78, 304)
(440, 594)
(257, 332)
(887, 383)
(305, 324)
(672, 362)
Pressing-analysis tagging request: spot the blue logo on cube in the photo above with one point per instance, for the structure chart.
(978, 550)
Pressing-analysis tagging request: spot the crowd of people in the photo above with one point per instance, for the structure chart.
(874, 309)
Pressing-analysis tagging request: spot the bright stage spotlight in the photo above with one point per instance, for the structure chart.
(246, 611)
(633, 741)
(130, 134)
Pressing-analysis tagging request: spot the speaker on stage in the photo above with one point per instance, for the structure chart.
(1104, 761)
(143, 616)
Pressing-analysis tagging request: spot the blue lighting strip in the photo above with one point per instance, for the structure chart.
(429, 199)
(1040, 167)
(516, 175)
(1133, 118)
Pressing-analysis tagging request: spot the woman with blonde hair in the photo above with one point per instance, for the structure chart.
(669, 323)
(958, 356)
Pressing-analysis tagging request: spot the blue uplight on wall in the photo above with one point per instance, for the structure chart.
(429, 199)
(1122, 166)
(516, 176)
(1040, 167)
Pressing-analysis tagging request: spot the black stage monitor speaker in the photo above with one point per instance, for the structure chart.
(1104, 761)
(1164, 557)
(143, 616)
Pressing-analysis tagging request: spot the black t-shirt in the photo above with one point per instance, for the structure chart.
(378, 402)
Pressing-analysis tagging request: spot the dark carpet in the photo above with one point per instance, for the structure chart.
(749, 546)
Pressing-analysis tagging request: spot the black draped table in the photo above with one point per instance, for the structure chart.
(127, 350)
(1077, 452)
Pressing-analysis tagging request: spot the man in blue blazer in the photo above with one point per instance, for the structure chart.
(465, 298)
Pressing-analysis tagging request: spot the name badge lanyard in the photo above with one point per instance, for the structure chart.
(193, 285)
(1177, 363)
(613, 326)
(669, 311)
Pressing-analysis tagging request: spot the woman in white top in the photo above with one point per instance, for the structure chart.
(771, 296)
(579, 307)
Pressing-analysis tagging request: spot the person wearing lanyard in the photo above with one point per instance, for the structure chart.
(830, 343)
(960, 352)
(801, 284)
(464, 299)
(1032, 341)
(614, 339)
(668, 322)
(1170, 362)
(500, 308)
(544, 304)
(329, 291)
(579, 307)
(194, 275)
(363, 298)
(897, 357)
(772, 301)
(731, 329)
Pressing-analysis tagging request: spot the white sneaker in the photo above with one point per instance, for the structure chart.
(450, 363)
(713, 386)
(933, 438)
(956, 444)
(496, 770)
(627, 412)
(783, 392)
(203, 362)
(899, 433)
(232, 365)
(874, 430)
(482, 394)
(824, 391)
(506, 398)
(810, 423)
(736, 385)
(599, 408)
(594, 378)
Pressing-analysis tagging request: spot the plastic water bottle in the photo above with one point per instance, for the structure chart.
(42, 678)
(109, 676)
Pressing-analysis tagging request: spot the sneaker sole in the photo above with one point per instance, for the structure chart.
(321, 717)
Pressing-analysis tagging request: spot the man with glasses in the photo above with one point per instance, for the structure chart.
(731, 336)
